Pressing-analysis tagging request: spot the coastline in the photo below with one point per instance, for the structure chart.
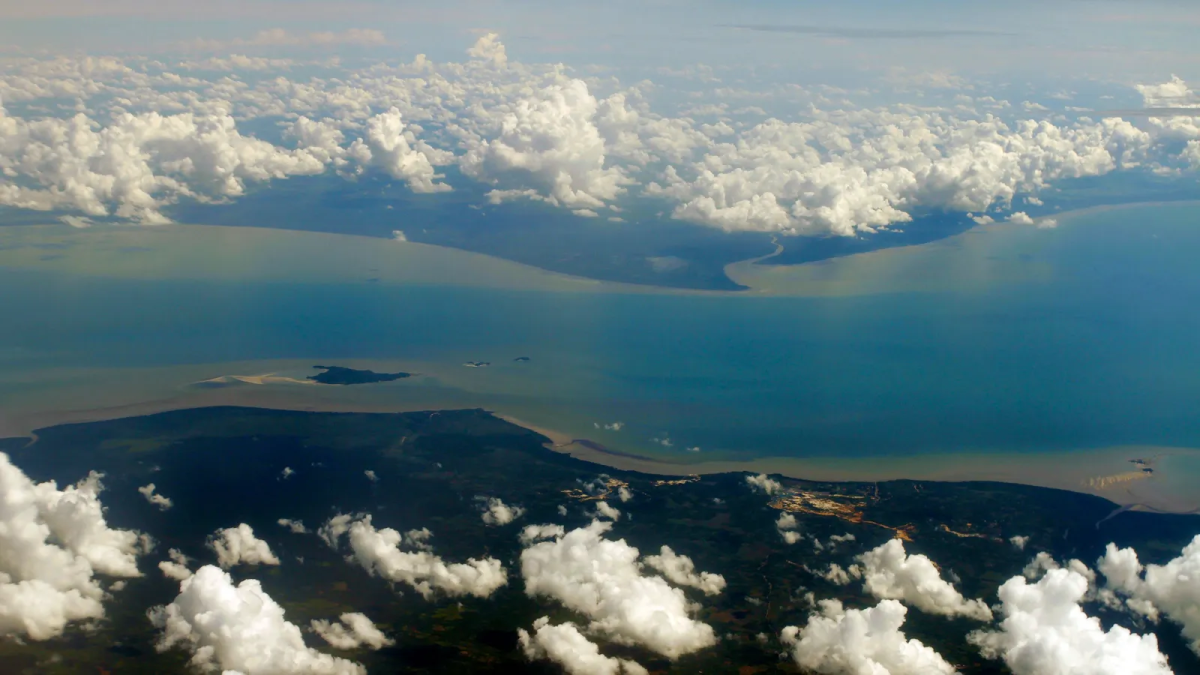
(183, 252)
(1105, 472)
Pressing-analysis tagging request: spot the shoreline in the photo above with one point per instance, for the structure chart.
(522, 276)
(1109, 476)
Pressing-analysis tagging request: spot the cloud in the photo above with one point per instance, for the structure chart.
(786, 525)
(872, 33)
(1046, 632)
(533, 533)
(601, 579)
(861, 642)
(889, 572)
(177, 567)
(565, 645)
(606, 510)
(378, 552)
(389, 147)
(238, 628)
(136, 164)
(239, 546)
(681, 571)
(489, 49)
(296, 526)
(371, 476)
(52, 544)
(761, 483)
(1020, 218)
(163, 503)
(548, 139)
(354, 631)
(1019, 542)
(496, 512)
(1172, 590)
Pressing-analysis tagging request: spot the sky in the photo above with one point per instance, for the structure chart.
(1115, 39)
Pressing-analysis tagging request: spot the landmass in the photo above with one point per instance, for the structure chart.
(349, 376)
(427, 470)
(477, 364)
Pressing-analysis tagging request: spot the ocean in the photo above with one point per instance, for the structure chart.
(1003, 345)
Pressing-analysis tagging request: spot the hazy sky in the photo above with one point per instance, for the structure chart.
(1118, 39)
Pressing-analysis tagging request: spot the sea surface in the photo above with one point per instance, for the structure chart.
(1007, 342)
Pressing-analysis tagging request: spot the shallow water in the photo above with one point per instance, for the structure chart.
(1001, 340)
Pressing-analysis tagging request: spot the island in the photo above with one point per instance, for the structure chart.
(522, 359)
(349, 376)
(477, 364)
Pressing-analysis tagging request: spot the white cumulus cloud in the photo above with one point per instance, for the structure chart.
(565, 645)
(378, 551)
(1172, 589)
(239, 628)
(163, 503)
(239, 546)
(861, 642)
(496, 512)
(889, 572)
(764, 484)
(353, 631)
(1046, 632)
(681, 571)
(602, 580)
(53, 543)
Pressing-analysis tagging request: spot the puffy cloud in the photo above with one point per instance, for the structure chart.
(353, 631)
(52, 544)
(239, 546)
(163, 503)
(1019, 542)
(762, 483)
(238, 628)
(1020, 218)
(550, 140)
(889, 572)
(378, 552)
(177, 567)
(1172, 589)
(1046, 632)
(136, 164)
(565, 645)
(850, 172)
(533, 533)
(489, 49)
(371, 476)
(681, 571)
(861, 642)
(606, 510)
(389, 147)
(496, 512)
(601, 579)
(786, 525)
(295, 526)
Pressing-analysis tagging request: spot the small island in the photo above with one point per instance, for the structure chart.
(522, 359)
(477, 364)
(348, 376)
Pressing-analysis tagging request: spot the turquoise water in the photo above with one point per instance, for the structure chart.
(1097, 348)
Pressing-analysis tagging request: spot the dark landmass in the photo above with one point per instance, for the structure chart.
(348, 376)
(522, 359)
(646, 246)
(477, 364)
(222, 466)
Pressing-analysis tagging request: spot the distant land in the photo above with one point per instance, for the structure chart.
(348, 376)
